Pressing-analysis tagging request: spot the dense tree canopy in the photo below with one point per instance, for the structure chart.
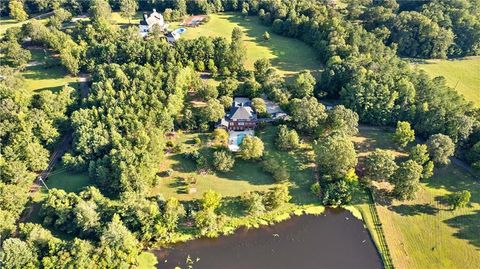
(336, 156)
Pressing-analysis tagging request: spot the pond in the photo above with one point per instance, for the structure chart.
(335, 239)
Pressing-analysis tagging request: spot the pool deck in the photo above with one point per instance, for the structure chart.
(233, 139)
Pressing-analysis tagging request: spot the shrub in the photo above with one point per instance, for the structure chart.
(287, 139)
(278, 171)
(278, 196)
(337, 193)
(223, 161)
(253, 203)
(316, 189)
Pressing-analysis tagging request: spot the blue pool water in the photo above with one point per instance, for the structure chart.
(180, 30)
(240, 138)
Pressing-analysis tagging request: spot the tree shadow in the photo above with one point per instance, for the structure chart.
(183, 165)
(468, 227)
(383, 196)
(286, 50)
(452, 178)
(413, 210)
(232, 207)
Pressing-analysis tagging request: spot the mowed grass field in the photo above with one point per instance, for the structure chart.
(38, 76)
(424, 233)
(245, 176)
(287, 55)
(461, 74)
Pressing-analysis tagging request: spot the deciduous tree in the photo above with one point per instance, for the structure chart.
(441, 148)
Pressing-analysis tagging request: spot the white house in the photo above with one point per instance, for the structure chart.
(148, 22)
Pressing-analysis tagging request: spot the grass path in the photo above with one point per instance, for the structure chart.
(461, 74)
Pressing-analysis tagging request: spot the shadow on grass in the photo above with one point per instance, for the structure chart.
(413, 210)
(453, 179)
(232, 207)
(285, 49)
(183, 165)
(57, 89)
(468, 227)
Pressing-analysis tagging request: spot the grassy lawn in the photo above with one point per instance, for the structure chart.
(147, 260)
(6, 22)
(286, 54)
(40, 77)
(424, 233)
(461, 74)
(246, 175)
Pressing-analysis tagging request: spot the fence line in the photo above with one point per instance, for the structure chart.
(382, 242)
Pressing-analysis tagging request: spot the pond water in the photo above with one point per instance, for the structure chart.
(334, 239)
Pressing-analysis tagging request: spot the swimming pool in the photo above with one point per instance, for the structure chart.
(240, 138)
(180, 30)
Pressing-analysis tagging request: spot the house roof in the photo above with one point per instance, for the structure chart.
(241, 113)
(152, 19)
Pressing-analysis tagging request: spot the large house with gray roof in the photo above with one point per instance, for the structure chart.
(241, 116)
(155, 18)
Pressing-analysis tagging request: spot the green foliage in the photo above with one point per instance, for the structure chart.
(172, 212)
(427, 170)
(406, 180)
(276, 169)
(419, 153)
(223, 161)
(341, 121)
(16, 254)
(316, 189)
(337, 193)
(213, 111)
(118, 245)
(227, 87)
(220, 137)
(266, 36)
(7, 223)
(207, 222)
(277, 197)
(303, 85)
(237, 49)
(287, 139)
(459, 199)
(440, 148)
(403, 134)
(211, 200)
(307, 114)
(380, 165)
(335, 156)
(419, 36)
(14, 54)
(265, 74)
(60, 16)
(17, 10)
(251, 148)
(128, 8)
(99, 10)
(254, 204)
(259, 106)
(207, 92)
